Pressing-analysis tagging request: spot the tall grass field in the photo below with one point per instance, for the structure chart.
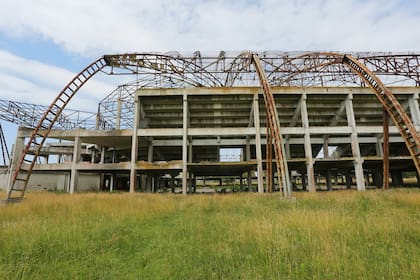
(329, 235)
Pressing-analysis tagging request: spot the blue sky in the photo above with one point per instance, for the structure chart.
(43, 43)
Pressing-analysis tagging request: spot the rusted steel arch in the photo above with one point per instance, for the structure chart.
(393, 107)
(237, 67)
(149, 63)
(384, 95)
(405, 65)
(20, 177)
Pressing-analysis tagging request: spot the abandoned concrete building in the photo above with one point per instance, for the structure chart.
(206, 123)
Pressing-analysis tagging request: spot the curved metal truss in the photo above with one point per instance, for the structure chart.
(27, 114)
(157, 70)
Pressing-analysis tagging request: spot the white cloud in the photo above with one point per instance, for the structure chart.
(34, 82)
(97, 26)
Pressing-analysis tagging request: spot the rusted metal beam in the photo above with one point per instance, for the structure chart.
(274, 124)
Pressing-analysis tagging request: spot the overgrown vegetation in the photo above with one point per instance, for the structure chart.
(336, 235)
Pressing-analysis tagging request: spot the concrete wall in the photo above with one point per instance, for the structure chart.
(56, 182)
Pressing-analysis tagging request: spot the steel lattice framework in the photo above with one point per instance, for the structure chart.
(26, 114)
(229, 69)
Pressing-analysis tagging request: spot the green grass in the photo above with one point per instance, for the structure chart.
(336, 235)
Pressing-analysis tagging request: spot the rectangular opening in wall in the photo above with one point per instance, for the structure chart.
(230, 154)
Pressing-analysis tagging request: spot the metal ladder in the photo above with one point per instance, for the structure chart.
(273, 133)
(20, 177)
(392, 106)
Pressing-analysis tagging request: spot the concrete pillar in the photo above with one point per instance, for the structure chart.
(377, 178)
(358, 161)
(172, 183)
(328, 180)
(150, 152)
(348, 180)
(379, 147)
(149, 183)
(74, 177)
(396, 178)
(307, 144)
(241, 184)
(194, 183)
(190, 150)
(304, 185)
(101, 176)
(112, 182)
(248, 158)
(14, 159)
(134, 147)
(184, 143)
(287, 147)
(413, 103)
(325, 147)
(258, 144)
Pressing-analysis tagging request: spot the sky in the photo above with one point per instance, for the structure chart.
(44, 43)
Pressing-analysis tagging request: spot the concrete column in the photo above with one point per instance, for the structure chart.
(328, 180)
(358, 161)
(396, 178)
(379, 147)
(307, 144)
(287, 147)
(101, 176)
(134, 147)
(14, 159)
(304, 185)
(111, 183)
(184, 143)
(258, 144)
(149, 183)
(150, 152)
(248, 158)
(325, 147)
(413, 103)
(348, 180)
(74, 177)
(190, 151)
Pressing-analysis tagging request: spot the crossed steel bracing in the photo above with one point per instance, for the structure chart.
(4, 150)
(265, 69)
(29, 115)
